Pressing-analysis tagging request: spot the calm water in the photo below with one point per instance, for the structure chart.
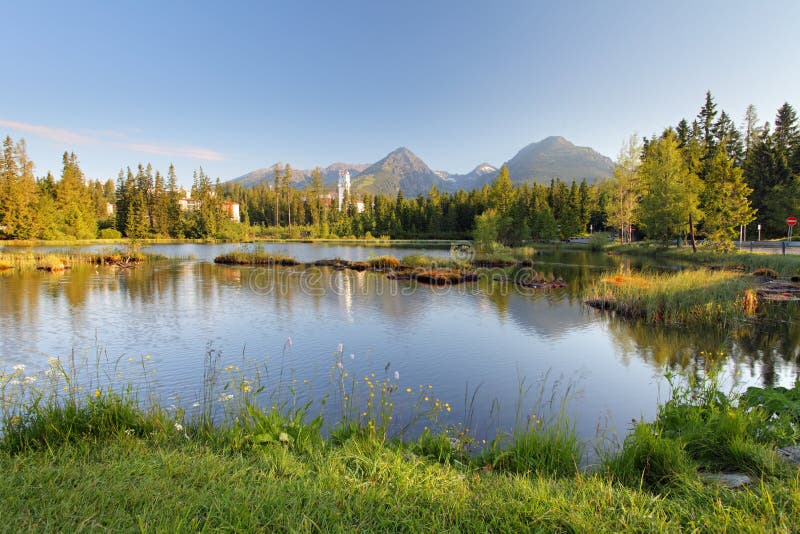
(484, 335)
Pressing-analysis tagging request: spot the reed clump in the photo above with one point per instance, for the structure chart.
(701, 296)
(56, 262)
(255, 258)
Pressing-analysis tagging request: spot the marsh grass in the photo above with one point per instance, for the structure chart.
(787, 265)
(60, 261)
(242, 257)
(415, 261)
(718, 298)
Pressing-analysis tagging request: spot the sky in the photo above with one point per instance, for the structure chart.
(236, 86)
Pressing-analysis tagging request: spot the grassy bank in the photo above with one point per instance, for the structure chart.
(749, 262)
(69, 463)
(60, 261)
(713, 298)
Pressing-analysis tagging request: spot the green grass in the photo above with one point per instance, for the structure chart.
(787, 265)
(70, 459)
(59, 261)
(421, 261)
(255, 258)
(718, 298)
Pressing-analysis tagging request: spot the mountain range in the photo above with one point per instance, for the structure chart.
(402, 170)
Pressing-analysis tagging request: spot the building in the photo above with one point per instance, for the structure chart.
(187, 203)
(344, 187)
(231, 209)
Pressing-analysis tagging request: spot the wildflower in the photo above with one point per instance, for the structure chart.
(147, 357)
(426, 398)
(130, 359)
(283, 437)
(225, 398)
(195, 405)
(178, 427)
(339, 365)
(408, 390)
(289, 341)
(30, 379)
(340, 348)
(129, 431)
(352, 356)
(19, 367)
(96, 393)
(53, 362)
(396, 375)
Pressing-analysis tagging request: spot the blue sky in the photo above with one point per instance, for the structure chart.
(234, 86)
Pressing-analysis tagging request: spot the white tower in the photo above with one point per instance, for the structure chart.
(344, 187)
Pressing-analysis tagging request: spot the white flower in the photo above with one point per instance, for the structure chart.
(397, 375)
(289, 341)
(129, 431)
(30, 379)
(283, 437)
(339, 365)
(195, 405)
(225, 398)
(179, 427)
(352, 356)
(340, 348)
(53, 362)
(21, 367)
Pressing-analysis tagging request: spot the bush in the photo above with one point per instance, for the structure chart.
(109, 233)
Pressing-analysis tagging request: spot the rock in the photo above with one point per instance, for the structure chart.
(729, 480)
(791, 454)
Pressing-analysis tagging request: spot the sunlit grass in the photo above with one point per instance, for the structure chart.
(70, 447)
(687, 297)
(255, 258)
(59, 261)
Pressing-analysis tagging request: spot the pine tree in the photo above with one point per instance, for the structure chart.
(725, 201)
(706, 121)
(276, 176)
(287, 190)
(751, 127)
(73, 201)
(787, 132)
(173, 207)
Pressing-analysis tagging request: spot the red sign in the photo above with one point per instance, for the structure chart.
(791, 221)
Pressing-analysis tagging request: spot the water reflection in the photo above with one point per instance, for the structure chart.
(486, 332)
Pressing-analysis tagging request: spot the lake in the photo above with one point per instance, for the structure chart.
(512, 348)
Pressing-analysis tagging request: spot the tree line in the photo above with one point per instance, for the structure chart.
(705, 178)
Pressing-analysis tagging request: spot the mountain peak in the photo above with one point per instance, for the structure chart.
(557, 157)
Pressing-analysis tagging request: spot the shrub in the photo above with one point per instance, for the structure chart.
(109, 233)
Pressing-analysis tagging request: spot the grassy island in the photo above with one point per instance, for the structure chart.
(61, 261)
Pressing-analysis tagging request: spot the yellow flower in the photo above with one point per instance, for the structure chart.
(96, 393)
(147, 357)
(408, 390)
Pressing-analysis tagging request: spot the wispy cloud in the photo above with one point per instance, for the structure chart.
(113, 138)
(55, 134)
(177, 151)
